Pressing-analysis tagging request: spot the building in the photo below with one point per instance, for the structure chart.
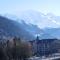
(42, 47)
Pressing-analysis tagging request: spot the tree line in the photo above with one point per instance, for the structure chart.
(15, 49)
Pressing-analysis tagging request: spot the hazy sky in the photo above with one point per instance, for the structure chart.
(16, 6)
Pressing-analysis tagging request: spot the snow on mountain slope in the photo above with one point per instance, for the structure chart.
(40, 19)
(37, 18)
(34, 21)
(12, 17)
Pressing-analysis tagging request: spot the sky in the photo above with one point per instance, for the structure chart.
(17, 6)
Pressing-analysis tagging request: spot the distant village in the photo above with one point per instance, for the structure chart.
(45, 47)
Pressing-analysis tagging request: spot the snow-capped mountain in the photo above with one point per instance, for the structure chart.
(36, 23)
(40, 19)
(37, 18)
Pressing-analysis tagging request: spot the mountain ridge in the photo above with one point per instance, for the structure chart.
(33, 27)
